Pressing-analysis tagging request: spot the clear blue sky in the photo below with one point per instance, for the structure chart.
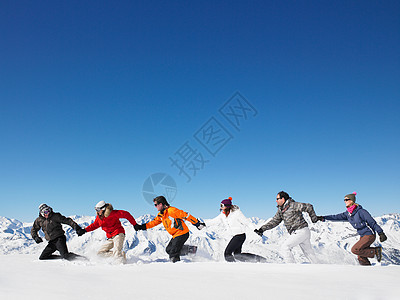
(96, 96)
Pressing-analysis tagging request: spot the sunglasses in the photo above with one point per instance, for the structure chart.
(98, 209)
(155, 204)
(278, 199)
(347, 200)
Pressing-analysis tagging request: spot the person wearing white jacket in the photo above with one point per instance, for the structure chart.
(236, 224)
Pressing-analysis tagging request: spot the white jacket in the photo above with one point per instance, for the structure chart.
(235, 222)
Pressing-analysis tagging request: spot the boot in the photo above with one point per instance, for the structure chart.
(378, 253)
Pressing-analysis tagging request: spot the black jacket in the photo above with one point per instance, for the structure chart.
(51, 226)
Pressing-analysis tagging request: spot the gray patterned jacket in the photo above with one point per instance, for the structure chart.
(291, 213)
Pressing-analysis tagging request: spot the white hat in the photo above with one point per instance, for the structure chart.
(43, 208)
(100, 205)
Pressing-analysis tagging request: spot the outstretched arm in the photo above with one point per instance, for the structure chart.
(308, 208)
(157, 220)
(338, 217)
(180, 214)
(64, 220)
(126, 215)
(275, 221)
(93, 226)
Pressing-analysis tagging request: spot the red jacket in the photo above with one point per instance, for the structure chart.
(110, 222)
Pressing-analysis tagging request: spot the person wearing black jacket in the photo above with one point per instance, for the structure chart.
(50, 222)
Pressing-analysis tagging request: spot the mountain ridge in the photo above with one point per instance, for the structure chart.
(331, 241)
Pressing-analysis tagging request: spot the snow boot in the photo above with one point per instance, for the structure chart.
(378, 253)
(188, 250)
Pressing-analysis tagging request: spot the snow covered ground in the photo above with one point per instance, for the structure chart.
(25, 277)
(149, 275)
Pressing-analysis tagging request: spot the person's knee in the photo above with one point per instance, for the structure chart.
(229, 258)
(65, 255)
(355, 250)
(103, 252)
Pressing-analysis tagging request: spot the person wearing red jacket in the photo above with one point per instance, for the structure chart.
(108, 219)
(173, 221)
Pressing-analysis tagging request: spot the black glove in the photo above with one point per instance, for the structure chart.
(38, 239)
(259, 232)
(200, 225)
(382, 237)
(140, 227)
(320, 218)
(80, 231)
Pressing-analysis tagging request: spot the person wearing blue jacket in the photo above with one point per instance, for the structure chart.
(366, 227)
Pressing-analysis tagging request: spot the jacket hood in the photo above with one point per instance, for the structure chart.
(109, 209)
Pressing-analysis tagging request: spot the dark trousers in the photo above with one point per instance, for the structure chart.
(363, 250)
(59, 244)
(175, 245)
(234, 252)
(234, 247)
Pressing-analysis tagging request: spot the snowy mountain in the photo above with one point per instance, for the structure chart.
(332, 241)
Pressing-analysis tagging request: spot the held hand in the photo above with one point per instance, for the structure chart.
(38, 239)
(320, 218)
(382, 237)
(80, 231)
(139, 227)
(259, 232)
(200, 225)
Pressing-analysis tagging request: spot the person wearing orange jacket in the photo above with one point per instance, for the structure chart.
(108, 219)
(173, 221)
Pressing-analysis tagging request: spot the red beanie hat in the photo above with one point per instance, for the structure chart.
(227, 202)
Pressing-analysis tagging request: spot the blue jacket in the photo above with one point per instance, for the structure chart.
(360, 219)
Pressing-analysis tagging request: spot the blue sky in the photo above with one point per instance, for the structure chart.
(98, 96)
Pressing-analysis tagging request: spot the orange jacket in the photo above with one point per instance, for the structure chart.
(173, 221)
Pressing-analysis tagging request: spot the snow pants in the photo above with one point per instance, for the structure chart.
(363, 250)
(175, 245)
(300, 237)
(115, 243)
(234, 247)
(233, 251)
(59, 244)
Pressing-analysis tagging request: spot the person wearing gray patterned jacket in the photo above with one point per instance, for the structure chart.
(291, 213)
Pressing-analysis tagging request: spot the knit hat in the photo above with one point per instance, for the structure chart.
(227, 202)
(351, 196)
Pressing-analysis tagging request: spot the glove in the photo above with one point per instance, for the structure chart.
(382, 237)
(200, 225)
(259, 232)
(38, 239)
(320, 218)
(140, 227)
(80, 231)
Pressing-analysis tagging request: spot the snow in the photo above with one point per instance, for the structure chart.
(149, 275)
(25, 277)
